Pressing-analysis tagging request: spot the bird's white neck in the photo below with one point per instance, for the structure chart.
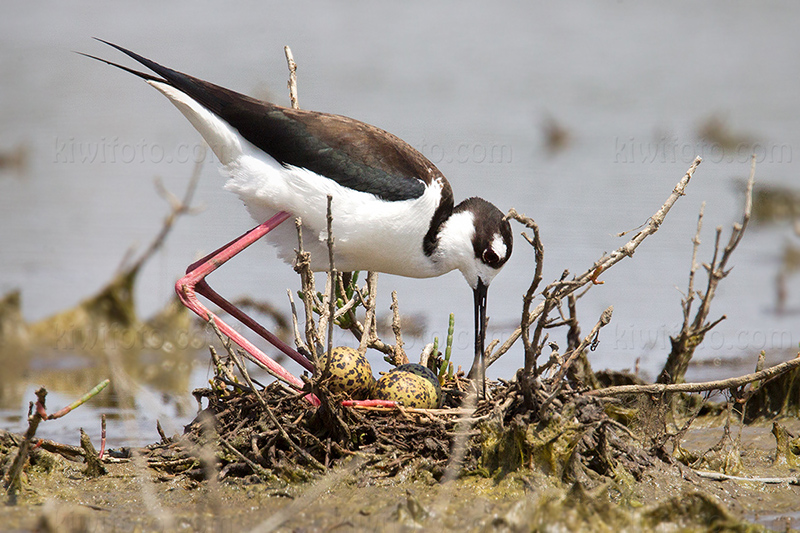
(455, 249)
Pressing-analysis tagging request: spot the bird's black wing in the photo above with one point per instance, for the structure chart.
(354, 154)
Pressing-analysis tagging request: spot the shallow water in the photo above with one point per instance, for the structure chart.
(468, 84)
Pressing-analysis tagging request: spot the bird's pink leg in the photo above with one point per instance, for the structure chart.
(194, 283)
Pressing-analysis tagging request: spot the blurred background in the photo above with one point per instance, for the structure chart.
(583, 117)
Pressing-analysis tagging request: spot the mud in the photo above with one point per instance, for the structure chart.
(58, 496)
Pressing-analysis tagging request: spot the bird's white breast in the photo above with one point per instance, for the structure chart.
(369, 233)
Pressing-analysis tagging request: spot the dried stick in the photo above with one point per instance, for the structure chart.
(94, 467)
(367, 333)
(298, 339)
(691, 334)
(350, 304)
(255, 467)
(67, 451)
(718, 476)
(525, 321)
(722, 384)
(246, 375)
(14, 483)
(102, 436)
(687, 302)
(605, 318)
(564, 288)
(331, 285)
(292, 77)
(221, 368)
(399, 357)
(302, 266)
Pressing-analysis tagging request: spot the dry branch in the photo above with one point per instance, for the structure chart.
(399, 357)
(718, 476)
(692, 332)
(605, 318)
(538, 248)
(292, 77)
(13, 482)
(563, 288)
(722, 384)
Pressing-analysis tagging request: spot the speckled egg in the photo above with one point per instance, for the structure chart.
(413, 385)
(350, 373)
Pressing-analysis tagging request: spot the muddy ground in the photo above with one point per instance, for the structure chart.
(131, 497)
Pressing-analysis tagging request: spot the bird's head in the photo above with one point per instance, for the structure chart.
(477, 239)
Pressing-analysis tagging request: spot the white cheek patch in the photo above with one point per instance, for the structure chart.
(498, 246)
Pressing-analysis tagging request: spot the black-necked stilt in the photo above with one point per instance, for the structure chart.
(392, 208)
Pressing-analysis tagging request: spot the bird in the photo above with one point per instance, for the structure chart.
(392, 210)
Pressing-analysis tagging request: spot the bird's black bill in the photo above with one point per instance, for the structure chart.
(478, 371)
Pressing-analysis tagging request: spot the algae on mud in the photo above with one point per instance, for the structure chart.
(135, 498)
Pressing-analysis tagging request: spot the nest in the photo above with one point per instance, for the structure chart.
(276, 433)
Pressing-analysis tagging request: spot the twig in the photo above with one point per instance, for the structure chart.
(222, 368)
(298, 339)
(332, 275)
(299, 449)
(302, 266)
(14, 483)
(67, 451)
(161, 433)
(367, 334)
(565, 288)
(605, 318)
(687, 301)
(94, 468)
(659, 388)
(255, 467)
(400, 357)
(525, 321)
(350, 304)
(691, 334)
(718, 476)
(292, 77)
(102, 436)
(246, 375)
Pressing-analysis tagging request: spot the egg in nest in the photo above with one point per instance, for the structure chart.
(351, 373)
(412, 385)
